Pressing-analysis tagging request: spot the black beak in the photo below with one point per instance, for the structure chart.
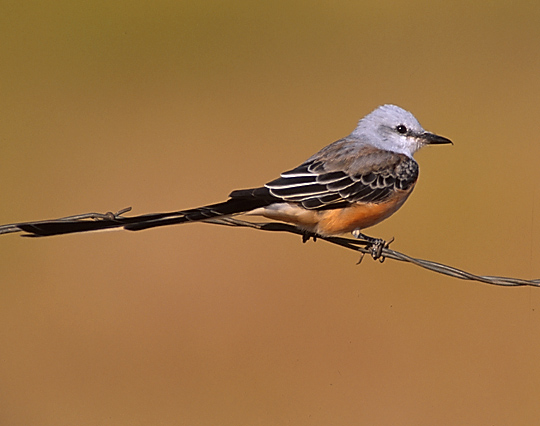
(432, 139)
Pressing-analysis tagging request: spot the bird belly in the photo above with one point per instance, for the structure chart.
(357, 216)
(334, 221)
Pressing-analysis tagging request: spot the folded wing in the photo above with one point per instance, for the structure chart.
(320, 183)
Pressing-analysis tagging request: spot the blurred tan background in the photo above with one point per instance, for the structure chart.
(171, 104)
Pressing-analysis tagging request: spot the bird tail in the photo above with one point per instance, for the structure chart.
(242, 201)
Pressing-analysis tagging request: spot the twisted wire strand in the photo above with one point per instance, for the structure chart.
(386, 253)
(358, 245)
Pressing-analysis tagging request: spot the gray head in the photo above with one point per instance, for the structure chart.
(391, 128)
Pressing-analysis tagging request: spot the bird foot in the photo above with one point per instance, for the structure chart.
(306, 236)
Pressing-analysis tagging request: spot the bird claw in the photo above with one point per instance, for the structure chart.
(306, 236)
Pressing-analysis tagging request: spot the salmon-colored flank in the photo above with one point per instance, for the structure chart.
(337, 221)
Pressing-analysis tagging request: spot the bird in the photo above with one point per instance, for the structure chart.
(348, 186)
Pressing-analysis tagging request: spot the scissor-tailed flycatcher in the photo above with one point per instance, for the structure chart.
(352, 184)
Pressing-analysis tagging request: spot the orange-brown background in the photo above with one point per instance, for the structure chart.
(171, 104)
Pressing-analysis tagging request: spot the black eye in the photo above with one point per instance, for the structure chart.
(401, 129)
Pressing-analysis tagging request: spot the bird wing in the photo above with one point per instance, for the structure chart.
(329, 178)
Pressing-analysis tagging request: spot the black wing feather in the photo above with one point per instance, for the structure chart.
(315, 188)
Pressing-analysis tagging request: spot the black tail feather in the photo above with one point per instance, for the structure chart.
(241, 201)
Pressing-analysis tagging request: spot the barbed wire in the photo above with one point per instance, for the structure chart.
(361, 246)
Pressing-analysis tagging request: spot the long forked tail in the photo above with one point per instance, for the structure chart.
(241, 202)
